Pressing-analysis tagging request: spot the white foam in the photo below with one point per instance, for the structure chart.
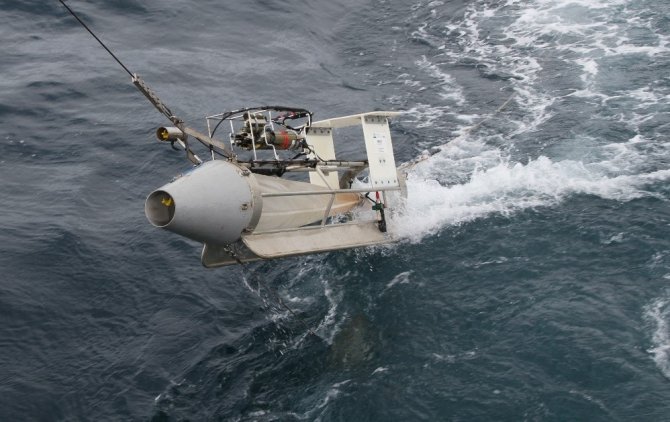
(426, 115)
(380, 370)
(471, 178)
(328, 327)
(617, 238)
(508, 187)
(330, 395)
(517, 37)
(658, 315)
(402, 278)
(450, 90)
(590, 66)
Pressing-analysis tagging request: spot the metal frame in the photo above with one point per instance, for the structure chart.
(352, 167)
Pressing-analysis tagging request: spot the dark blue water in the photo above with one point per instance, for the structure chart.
(533, 279)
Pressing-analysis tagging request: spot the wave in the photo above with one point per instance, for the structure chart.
(581, 121)
(548, 51)
(495, 185)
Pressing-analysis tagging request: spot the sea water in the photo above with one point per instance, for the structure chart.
(532, 278)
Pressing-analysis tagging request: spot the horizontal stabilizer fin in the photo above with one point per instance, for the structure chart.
(314, 240)
(219, 256)
(353, 120)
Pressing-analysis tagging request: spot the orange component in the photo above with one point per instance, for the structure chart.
(287, 140)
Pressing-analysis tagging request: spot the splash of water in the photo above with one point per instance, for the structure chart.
(495, 185)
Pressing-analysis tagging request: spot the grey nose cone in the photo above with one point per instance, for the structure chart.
(214, 203)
